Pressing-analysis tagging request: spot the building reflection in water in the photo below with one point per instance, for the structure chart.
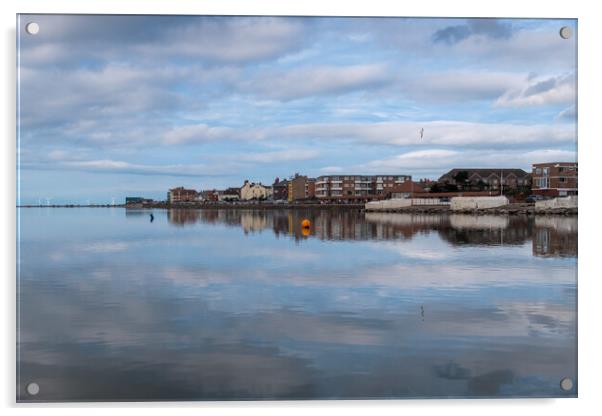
(550, 235)
(137, 212)
(555, 237)
(182, 217)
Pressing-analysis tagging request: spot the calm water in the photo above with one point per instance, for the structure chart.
(244, 304)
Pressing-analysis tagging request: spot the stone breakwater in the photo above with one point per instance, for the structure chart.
(511, 209)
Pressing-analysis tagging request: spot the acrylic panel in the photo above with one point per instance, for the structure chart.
(272, 207)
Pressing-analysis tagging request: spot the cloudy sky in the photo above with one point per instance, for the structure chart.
(133, 105)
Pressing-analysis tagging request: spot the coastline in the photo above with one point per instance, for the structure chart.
(512, 209)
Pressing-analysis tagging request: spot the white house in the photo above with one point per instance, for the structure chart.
(256, 191)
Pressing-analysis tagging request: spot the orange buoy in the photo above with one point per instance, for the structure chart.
(305, 223)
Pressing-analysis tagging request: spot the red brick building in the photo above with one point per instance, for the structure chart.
(301, 187)
(177, 195)
(554, 178)
(210, 195)
(358, 187)
(280, 190)
(405, 190)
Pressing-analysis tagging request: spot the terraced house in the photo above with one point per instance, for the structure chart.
(486, 179)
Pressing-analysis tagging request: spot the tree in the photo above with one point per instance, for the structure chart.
(436, 188)
(450, 187)
(461, 178)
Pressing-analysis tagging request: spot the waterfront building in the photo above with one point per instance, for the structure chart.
(131, 200)
(301, 187)
(485, 179)
(310, 188)
(555, 178)
(210, 195)
(254, 191)
(137, 201)
(180, 194)
(229, 194)
(358, 187)
(406, 189)
(280, 190)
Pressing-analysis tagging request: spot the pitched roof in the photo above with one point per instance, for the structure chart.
(231, 191)
(484, 172)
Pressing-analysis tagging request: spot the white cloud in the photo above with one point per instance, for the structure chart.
(117, 166)
(541, 91)
(278, 156)
(331, 169)
(148, 38)
(459, 85)
(439, 133)
(196, 133)
(438, 161)
(318, 80)
(240, 39)
(569, 113)
(525, 47)
(448, 133)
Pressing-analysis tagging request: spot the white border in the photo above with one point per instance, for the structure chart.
(590, 149)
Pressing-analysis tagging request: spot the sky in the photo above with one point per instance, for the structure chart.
(115, 106)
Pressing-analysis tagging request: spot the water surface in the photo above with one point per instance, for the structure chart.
(243, 304)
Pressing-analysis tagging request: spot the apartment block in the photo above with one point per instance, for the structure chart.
(358, 187)
(180, 194)
(555, 178)
(301, 187)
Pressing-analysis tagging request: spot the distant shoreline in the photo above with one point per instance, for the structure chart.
(205, 206)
